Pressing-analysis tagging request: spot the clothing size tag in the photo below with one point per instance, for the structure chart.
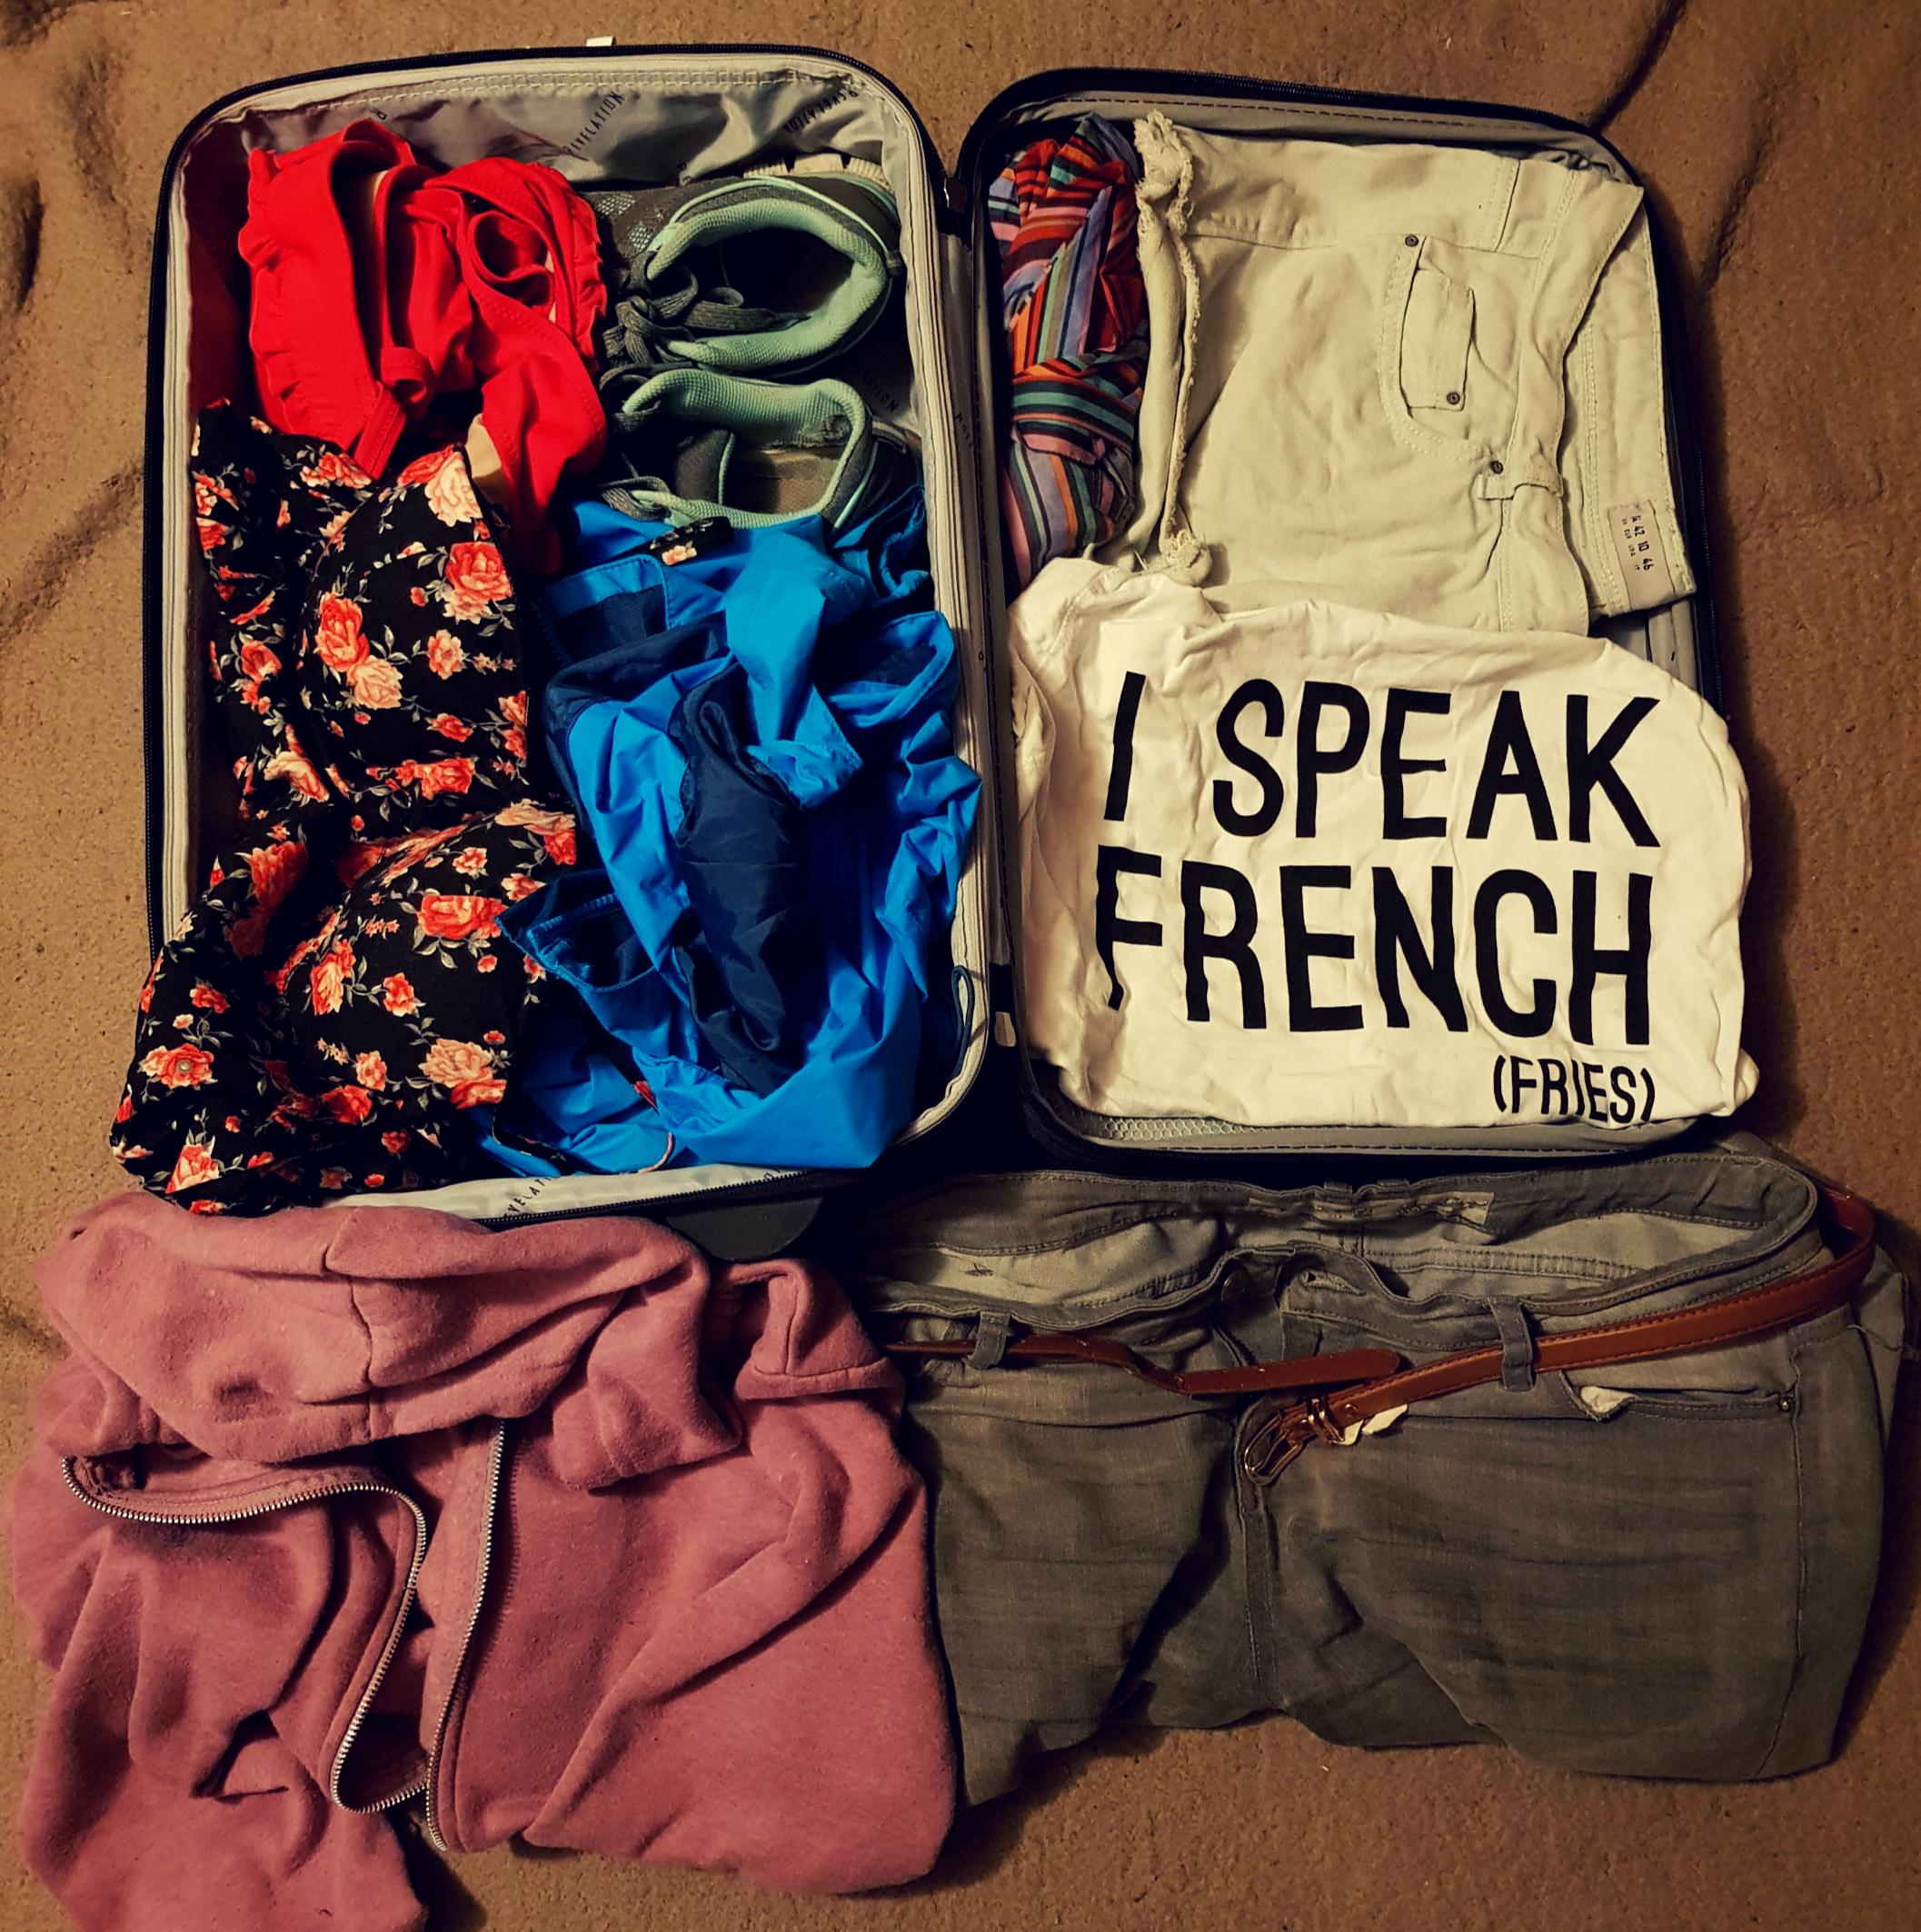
(1642, 555)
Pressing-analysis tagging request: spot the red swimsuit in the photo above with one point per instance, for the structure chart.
(486, 277)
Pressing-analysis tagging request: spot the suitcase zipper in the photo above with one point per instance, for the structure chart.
(210, 1519)
(1148, 80)
(803, 1183)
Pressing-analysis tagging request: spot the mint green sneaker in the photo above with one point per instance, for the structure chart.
(765, 274)
(689, 443)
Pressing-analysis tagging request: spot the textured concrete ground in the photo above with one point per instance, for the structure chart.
(1776, 138)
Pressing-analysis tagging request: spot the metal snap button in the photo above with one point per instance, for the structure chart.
(1497, 466)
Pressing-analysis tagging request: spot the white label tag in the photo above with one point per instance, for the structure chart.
(1373, 1426)
(1642, 555)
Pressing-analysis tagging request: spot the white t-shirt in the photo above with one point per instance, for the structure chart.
(1309, 865)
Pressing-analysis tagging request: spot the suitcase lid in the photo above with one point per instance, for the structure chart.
(1049, 102)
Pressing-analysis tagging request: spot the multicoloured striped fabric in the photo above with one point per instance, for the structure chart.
(1075, 311)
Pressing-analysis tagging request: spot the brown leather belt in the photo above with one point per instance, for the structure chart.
(1283, 1435)
(1380, 1382)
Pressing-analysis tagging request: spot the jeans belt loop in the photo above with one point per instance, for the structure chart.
(1516, 1333)
(990, 1339)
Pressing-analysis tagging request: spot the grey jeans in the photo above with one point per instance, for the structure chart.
(1660, 1569)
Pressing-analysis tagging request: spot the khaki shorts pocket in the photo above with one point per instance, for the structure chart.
(1434, 339)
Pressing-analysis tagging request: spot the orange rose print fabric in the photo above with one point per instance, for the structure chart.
(339, 1012)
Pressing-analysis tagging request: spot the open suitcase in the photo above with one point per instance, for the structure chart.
(675, 113)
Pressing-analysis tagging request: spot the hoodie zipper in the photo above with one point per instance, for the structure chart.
(358, 1721)
(497, 1461)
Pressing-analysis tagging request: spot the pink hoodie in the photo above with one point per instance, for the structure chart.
(558, 1526)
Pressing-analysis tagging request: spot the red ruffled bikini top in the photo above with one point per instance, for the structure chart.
(484, 278)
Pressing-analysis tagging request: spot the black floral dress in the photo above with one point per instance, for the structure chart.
(339, 1010)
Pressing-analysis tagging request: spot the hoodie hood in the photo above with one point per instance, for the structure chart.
(316, 1331)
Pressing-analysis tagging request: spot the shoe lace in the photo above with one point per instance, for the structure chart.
(649, 320)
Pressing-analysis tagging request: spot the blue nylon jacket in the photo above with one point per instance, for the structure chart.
(757, 739)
